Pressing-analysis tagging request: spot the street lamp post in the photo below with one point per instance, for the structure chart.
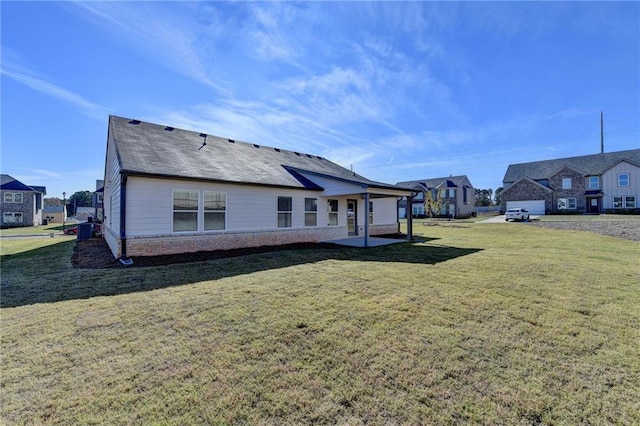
(64, 201)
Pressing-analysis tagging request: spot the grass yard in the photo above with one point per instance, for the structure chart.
(479, 323)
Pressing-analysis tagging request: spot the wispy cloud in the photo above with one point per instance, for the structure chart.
(29, 79)
(156, 31)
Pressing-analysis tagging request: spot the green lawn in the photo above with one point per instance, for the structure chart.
(489, 324)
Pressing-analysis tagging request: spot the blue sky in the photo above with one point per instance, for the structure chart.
(398, 91)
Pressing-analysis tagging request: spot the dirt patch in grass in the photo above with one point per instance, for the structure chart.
(628, 229)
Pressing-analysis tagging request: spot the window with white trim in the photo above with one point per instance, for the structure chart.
(594, 182)
(332, 208)
(285, 210)
(567, 204)
(13, 217)
(185, 210)
(310, 212)
(215, 211)
(13, 197)
(370, 212)
(618, 202)
(623, 179)
(418, 210)
(630, 202)
(566, 183)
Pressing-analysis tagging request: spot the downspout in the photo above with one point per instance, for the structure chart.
(123, 215)
(366, 219)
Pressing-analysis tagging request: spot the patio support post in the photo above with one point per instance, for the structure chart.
(409, 212)
(366, 219)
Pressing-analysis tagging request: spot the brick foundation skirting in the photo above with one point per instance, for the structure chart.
(173, 244)
(154, 245)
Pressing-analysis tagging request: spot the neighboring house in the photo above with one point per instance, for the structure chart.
(168, 191)
(20, 204)
(85, 214)
(55, 213)
(96, 201)
(456, 195)
(599, 183)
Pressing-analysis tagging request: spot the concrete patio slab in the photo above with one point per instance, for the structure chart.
(359, 241)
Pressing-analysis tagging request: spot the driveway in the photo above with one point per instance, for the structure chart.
(500, 219)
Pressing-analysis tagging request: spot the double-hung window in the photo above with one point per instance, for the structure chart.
(13, 197)
(185, 210)
(285, 209)
(618, 202)
(215, 207)
(310, 212)
(333, 212)
(12, 217)
(623, 179)
(567, 203)
(630, 202)
(566, 183)
(594, 182)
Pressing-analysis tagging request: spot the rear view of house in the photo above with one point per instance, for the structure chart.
(20, 204)
(599, 183)
(168, 190)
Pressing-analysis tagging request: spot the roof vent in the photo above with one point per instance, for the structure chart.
(319, 158)
(169, 129)
(203, 135)
(277, 149)
(310, 156)
(297, 153)
(232, 141)
(256, 145)
(136, 122)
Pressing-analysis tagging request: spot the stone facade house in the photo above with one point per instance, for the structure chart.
(599, 183)
(457, 196)
(20, 204)
(169, 191)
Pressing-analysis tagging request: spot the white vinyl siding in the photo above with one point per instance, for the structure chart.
(610, 186)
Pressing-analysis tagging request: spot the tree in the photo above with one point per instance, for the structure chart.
(433, 201)
(78, 199)
(53, 201)
(498, 196)
(483, 197)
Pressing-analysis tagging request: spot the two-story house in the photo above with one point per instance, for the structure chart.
(20, 204)
(599, 183)
(452, 196)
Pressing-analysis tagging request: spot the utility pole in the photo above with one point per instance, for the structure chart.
(601, 132)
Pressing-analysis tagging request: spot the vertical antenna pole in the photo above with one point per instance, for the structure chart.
(601, 132)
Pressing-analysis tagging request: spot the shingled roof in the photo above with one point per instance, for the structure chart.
(594, 164)
(9, 183)
(447, 182)
(162, 151)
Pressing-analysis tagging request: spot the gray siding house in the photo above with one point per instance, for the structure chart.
(599, 183)
(20, 204)
(456, 192)
(168, 191)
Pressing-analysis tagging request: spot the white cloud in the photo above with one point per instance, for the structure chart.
(30, 80)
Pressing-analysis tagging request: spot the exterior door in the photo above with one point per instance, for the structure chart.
(352, 217)
(593, 205)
